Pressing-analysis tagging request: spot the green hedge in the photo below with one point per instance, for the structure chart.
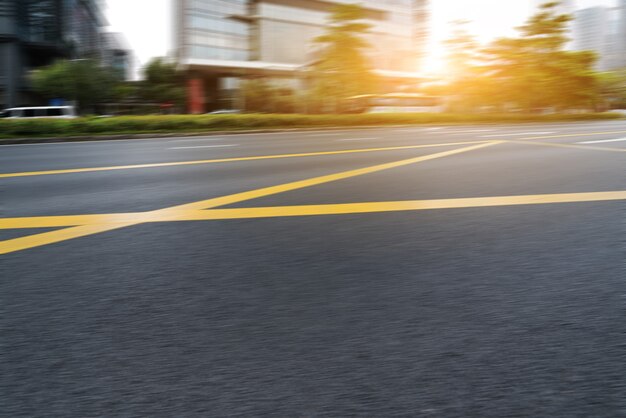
(12, 128)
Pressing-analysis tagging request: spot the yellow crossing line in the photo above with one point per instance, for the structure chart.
(225, 160)
(398, 206)
(124, 219)
(82, 230)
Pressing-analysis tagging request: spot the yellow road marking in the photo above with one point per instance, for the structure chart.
(225, 160)
(37, 240)
(240, 197)
(585, 147)
(120, 220)
(399, 206)
(78, 220)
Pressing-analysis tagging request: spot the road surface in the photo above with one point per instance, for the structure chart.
(416, 271)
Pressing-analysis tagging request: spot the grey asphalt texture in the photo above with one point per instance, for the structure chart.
(475, 312)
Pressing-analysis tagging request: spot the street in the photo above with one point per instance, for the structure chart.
(448, 271)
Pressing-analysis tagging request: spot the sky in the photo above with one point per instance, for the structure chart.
(147, 26)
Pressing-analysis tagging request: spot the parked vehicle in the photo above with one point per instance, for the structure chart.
(64, 112)
(225, 112)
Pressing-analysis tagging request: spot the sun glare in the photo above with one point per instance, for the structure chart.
(501, 20)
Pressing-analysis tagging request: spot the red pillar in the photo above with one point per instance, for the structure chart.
(195, 95)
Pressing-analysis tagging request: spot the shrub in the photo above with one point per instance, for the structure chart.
(207, 123)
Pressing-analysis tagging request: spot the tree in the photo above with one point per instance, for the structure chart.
(83, 81)
(531, 73)
(612, 89)
(261, 96)
(462, 50)
(163, 83)
(535, 72)
(467, 87)
(342, 69)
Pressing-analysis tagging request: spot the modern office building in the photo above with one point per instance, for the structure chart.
(592, 31)
(602, 30)
(219, 42)
(34, 33)
(621, 35)
(117, 54)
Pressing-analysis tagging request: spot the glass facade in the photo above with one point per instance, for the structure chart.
(210, 32)
(222, 39)
(82, 28)
(34, 33)
(40, 21)
(286, 33)
(283, 31)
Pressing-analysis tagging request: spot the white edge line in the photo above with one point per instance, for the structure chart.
(602, 140)
(191, 137)
(517, 134)
(357, 139)
(207, 146)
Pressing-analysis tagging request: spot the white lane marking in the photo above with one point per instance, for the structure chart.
(357, 139)
(602, 140)
(208, 134)
(477, 130)
(207, 146)
(332, 134)
(418, 129)
(176, 141)
(517, 134)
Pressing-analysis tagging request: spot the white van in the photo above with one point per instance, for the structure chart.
(64, 112)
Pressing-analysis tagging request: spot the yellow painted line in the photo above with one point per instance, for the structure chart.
(224, 160)
(267, 191)
(37, 240)
(115, 221)
(585, 147)
(399, 206)
(78, 220)
(162, 214)
(575, 135)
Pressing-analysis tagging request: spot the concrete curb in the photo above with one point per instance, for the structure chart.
(44, 140)
(86, 138)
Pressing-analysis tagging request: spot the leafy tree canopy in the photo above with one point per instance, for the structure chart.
(530, 72)
(162, 83)
(343, 69)
(84, 81)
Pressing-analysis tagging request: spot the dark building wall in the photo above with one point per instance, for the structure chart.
(8, 52)
(35, 33)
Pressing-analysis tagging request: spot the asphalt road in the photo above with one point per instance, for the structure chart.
(460, 271)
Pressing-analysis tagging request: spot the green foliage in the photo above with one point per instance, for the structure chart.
(529, 73)
(125, 91)
(612, 89)
(260, 96)
(342, 69)
(162, 83)
(83, 81)
(125, 125)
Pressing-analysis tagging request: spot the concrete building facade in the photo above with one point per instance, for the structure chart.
(34, 33)
(219, 42)
(602, 30)
(117, 54)
(621, 35)
(593, 32)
